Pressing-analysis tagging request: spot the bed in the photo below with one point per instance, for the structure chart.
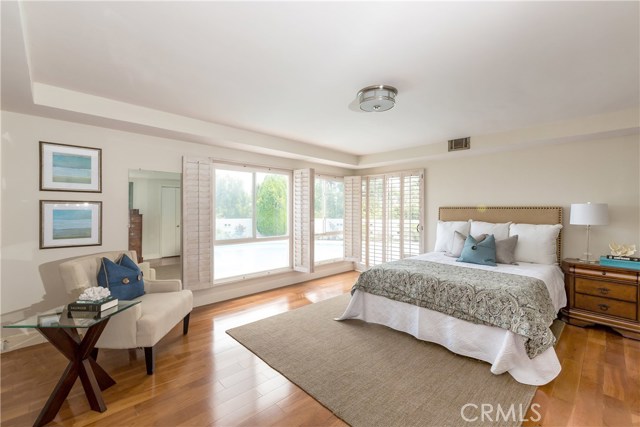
(505, 350)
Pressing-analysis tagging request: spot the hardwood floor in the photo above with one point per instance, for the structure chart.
(207, 379)
(599, 384)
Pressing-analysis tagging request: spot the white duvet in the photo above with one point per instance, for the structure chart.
(503, 349)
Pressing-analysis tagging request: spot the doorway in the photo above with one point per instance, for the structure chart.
(155, 220)
(170, 222)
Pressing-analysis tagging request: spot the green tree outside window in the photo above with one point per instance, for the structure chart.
(271, 206)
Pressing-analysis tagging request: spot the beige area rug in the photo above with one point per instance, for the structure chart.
(370, 375)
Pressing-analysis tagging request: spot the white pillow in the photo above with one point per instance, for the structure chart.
(536, 242)
(444, 234)
(499, 231)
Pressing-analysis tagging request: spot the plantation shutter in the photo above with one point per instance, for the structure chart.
(376, 220)
(352, 218)
(392, 209)
(413, 207)
(303, 220)
(197, 208)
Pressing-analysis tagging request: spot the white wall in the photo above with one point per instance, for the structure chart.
(29, 280)
(605, 171)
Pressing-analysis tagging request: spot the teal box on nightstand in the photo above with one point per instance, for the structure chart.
(633, 265)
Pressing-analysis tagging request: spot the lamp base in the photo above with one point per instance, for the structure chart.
(588, 261)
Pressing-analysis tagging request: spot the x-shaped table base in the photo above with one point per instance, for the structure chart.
(81, 364)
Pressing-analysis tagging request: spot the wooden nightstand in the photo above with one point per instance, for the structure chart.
(603, 295)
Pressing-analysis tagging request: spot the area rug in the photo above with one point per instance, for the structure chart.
(370, 375)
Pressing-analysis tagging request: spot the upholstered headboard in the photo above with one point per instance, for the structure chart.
(518, 214)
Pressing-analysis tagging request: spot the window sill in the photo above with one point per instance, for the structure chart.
(235, 279)
(237, 287)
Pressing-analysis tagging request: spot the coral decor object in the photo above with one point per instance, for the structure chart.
(622, 250)
(95, 293)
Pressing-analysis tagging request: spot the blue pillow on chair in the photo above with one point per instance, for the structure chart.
(125, 261)
(483, 253)
(123, 278)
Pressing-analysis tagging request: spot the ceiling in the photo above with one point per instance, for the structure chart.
(288, 72)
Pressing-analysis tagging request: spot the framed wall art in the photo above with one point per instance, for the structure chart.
(70, 168)
(65, 223)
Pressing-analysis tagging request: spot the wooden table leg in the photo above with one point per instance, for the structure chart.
(58, 395)
(81, 364)
(104, 380)
(91, 387)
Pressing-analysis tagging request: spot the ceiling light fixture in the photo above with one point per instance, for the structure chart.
(377, 98)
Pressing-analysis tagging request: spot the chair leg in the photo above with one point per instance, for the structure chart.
(185, 324)
(150, 359)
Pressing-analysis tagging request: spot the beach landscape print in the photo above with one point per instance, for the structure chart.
(71, 224)
(68, 223)
(70, 168)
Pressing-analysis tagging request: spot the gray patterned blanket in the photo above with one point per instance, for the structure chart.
(517, 303)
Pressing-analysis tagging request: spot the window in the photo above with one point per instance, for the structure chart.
(392, 206)
(251, 221)
(329, 219)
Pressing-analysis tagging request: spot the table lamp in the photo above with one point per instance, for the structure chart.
(589, 214)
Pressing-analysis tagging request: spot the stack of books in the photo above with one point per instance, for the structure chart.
(620, 261)
(92, 309)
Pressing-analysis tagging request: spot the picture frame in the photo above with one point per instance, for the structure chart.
(70, 168)
(69, 223)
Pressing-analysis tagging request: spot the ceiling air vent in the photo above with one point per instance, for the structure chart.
(460, 144)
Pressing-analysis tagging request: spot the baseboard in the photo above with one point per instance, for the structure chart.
(255, 285)
(21, 340)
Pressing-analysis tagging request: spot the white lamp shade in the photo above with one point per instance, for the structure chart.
(589, 214)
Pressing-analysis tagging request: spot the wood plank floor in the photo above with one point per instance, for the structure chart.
(208, 379)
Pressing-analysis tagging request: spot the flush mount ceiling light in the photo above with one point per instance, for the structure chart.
(377, 98)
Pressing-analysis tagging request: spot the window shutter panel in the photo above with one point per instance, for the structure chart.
(197, 208)
(393, 217)
(303, 221)
(352, 218)
(376, 224)
(413, 206)
(392, 212)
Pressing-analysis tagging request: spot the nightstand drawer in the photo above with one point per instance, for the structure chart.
(607, 274)
(607, 306)
(606, 289)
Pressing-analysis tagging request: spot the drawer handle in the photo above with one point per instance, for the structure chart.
(603, 307)
(604, 273)
(603, 291)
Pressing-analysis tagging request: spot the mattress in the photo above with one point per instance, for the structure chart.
(503, 349)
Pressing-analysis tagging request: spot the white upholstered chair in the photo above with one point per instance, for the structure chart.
(163, 305)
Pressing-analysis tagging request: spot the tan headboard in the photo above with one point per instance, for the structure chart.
(518, 214)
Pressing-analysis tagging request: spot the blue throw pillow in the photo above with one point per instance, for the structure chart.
(124, 278)
(125, 261)
(483, 253)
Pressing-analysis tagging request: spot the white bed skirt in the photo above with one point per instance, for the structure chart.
(503, 349)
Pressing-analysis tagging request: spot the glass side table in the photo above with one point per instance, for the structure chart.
(60, 328)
